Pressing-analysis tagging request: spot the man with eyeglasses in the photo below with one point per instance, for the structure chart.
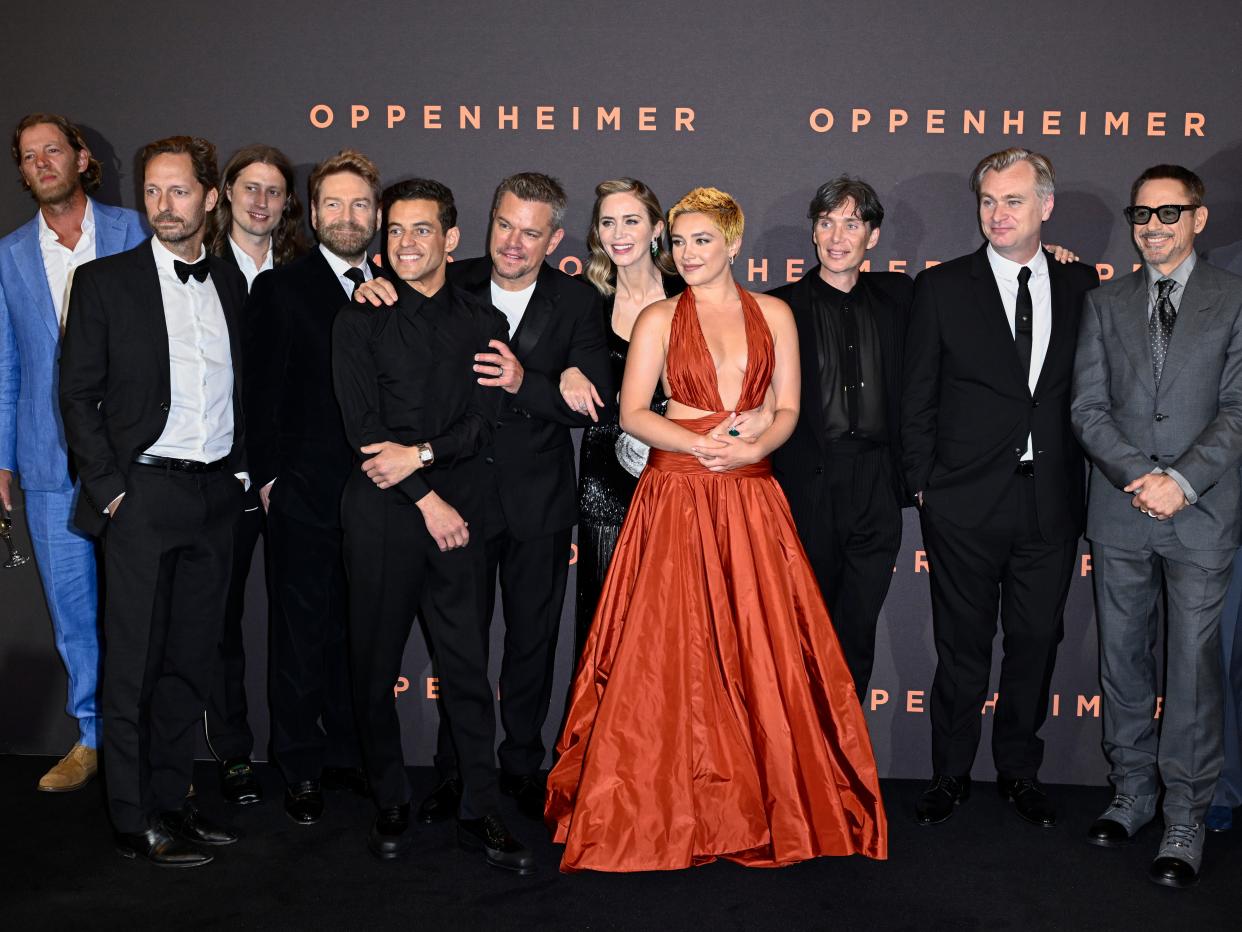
(1157, 407)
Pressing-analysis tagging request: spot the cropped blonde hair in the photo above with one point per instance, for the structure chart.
(723, 210)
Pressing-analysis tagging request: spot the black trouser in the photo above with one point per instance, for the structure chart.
(167, 555)
(974, 571)
(309, 690)
(228, 728)
(395, 571)
(532, 590)
(852, 538)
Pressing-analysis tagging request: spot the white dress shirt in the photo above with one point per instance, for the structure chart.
(1005, 271)
(339, 266)
(59, 262)
(512, 304)
(246, 264)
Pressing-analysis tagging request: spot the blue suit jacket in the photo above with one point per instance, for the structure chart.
(32, 437)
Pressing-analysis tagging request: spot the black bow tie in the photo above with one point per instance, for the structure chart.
(199, 270)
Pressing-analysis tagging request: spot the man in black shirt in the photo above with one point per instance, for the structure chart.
(418, 418)
(840, 469)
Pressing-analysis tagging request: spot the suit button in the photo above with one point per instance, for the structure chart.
(1034, 404)
(1159, 417)
(499, 424)
(164, 406)
(819, 470)
(489, 460)
(1154, 458)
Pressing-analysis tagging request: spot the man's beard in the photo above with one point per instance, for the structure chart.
(175, 234)
(346, 238)
(56, 193)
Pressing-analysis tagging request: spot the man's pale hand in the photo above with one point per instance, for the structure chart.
(6, 489)
(502, 367)
(443, 522)
(391, 464)
(114, 505)
(1157, 495)
(579, 393)
(1061, 254)
(265, 496)
(378, 291)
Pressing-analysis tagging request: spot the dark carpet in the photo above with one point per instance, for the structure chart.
(984, 869)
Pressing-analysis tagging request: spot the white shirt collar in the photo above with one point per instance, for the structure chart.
(339, 265)
(164, 257)
(1008, 269)
(48, 235)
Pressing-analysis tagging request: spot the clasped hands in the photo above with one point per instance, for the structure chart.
(732, 442)
(1157, 495)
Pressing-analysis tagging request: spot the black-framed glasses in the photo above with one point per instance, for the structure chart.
(1168, 214)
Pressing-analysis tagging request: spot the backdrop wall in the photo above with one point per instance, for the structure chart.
(763, 101)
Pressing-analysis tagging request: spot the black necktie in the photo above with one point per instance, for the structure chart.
(1160, 326)
(198, 269)
(1022, 318)
(357, 276)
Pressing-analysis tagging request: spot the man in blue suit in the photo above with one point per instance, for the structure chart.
(37, 263)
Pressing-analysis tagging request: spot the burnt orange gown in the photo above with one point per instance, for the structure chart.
(712, 714)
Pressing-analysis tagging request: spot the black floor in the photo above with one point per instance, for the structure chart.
(984, 869)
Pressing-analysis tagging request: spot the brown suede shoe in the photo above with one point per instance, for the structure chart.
(73, 772)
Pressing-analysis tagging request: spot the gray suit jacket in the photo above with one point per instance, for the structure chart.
(1192, 423)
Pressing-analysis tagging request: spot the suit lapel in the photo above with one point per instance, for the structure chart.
(539, 313)
(109, 232)
(29, 259)
(1131, 311)
(812, 405)
(1062, 338)
(1192, 317)
(994, 324)
(151, 306)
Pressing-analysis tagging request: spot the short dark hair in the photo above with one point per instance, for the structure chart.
(423, 189)
(93, 174)
(202, 156)
(534, 186)
(832, 194)
(1190, 181)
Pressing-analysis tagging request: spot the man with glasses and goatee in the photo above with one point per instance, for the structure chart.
(1158, 407)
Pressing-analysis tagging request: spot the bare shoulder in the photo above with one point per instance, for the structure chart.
(775, 311)
(658, 315)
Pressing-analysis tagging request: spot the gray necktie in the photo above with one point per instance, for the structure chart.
(1160, 326)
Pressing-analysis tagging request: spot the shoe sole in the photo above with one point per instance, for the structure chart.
(1109, 843)
(1174, 884)
(242, 803)
(389, 855)
(472, 845)
(302, 821)
(133, 856)
(65, 789)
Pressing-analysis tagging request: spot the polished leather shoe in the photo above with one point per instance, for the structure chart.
(1180, 855)
(390, 834)
(441, 803)
(190, 824)
(1029, 798)
(529, 791)
(238, 784)
(159, 846)
(1121, 821)
(490, 836)
(1218, 819)
(353, 779)
(940, 798)
(304, 802)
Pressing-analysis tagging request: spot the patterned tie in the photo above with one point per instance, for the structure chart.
(357, 276)
(1160, 326)
(1022, 321)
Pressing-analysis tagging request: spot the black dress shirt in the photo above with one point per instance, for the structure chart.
(850, 366)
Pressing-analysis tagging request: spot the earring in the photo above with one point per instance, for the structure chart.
(655, 248)
(730, 260)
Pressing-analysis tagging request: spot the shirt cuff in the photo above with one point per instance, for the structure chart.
(245, 479)
(1182, 484)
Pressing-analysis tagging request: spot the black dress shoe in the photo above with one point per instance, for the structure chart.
(238, 784)
(441, 803)
(529, 791)
(490, 836)
(1029, 799)
(304, 802)
(190, 824)
(353, 779)
(939, 799)
(1172, 872)
(390, 834)
(159, 846)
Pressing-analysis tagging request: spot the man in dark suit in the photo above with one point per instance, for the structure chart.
(300, 459)
(841, 468)
(998, 475)
(257, 225)
(556, 322)
(414, 512)
(150, 380)
(1158, 406)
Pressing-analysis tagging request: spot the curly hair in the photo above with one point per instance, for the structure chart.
(93, 174)
(600, 271)
(720, 207)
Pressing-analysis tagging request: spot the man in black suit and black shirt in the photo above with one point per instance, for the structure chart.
(414, 512)
(992, 461)
(556, 322)
(841, 468)
(300, 459)
(150, 381)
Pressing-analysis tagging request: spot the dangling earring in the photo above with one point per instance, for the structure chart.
(730, 260)
(655, 249)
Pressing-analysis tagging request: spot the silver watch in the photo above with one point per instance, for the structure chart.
(425, 456)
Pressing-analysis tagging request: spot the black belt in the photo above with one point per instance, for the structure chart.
(164, 462)
(1026, 468)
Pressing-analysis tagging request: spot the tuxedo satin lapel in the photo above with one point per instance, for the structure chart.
(1131, 311)
(30, 260)
(1193, 316)
(228, 301)
(994, 325)
(151, 306)
(538, 314)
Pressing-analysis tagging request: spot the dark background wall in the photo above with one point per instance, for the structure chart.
(760, 80)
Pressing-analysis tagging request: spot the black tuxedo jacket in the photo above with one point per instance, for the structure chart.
(114, 371)
(799, 462)
(966, 409)
(563, 326)
(296, 435)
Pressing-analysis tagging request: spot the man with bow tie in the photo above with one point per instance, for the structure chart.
(149, 393)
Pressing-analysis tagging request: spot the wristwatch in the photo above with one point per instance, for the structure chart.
(425, 456)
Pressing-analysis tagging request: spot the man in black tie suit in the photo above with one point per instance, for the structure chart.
(998, 476)
(300, 459)
(150, 383)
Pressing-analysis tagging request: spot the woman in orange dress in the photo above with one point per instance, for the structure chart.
(712, 715)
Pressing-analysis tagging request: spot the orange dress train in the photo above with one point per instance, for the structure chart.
(712, 714)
